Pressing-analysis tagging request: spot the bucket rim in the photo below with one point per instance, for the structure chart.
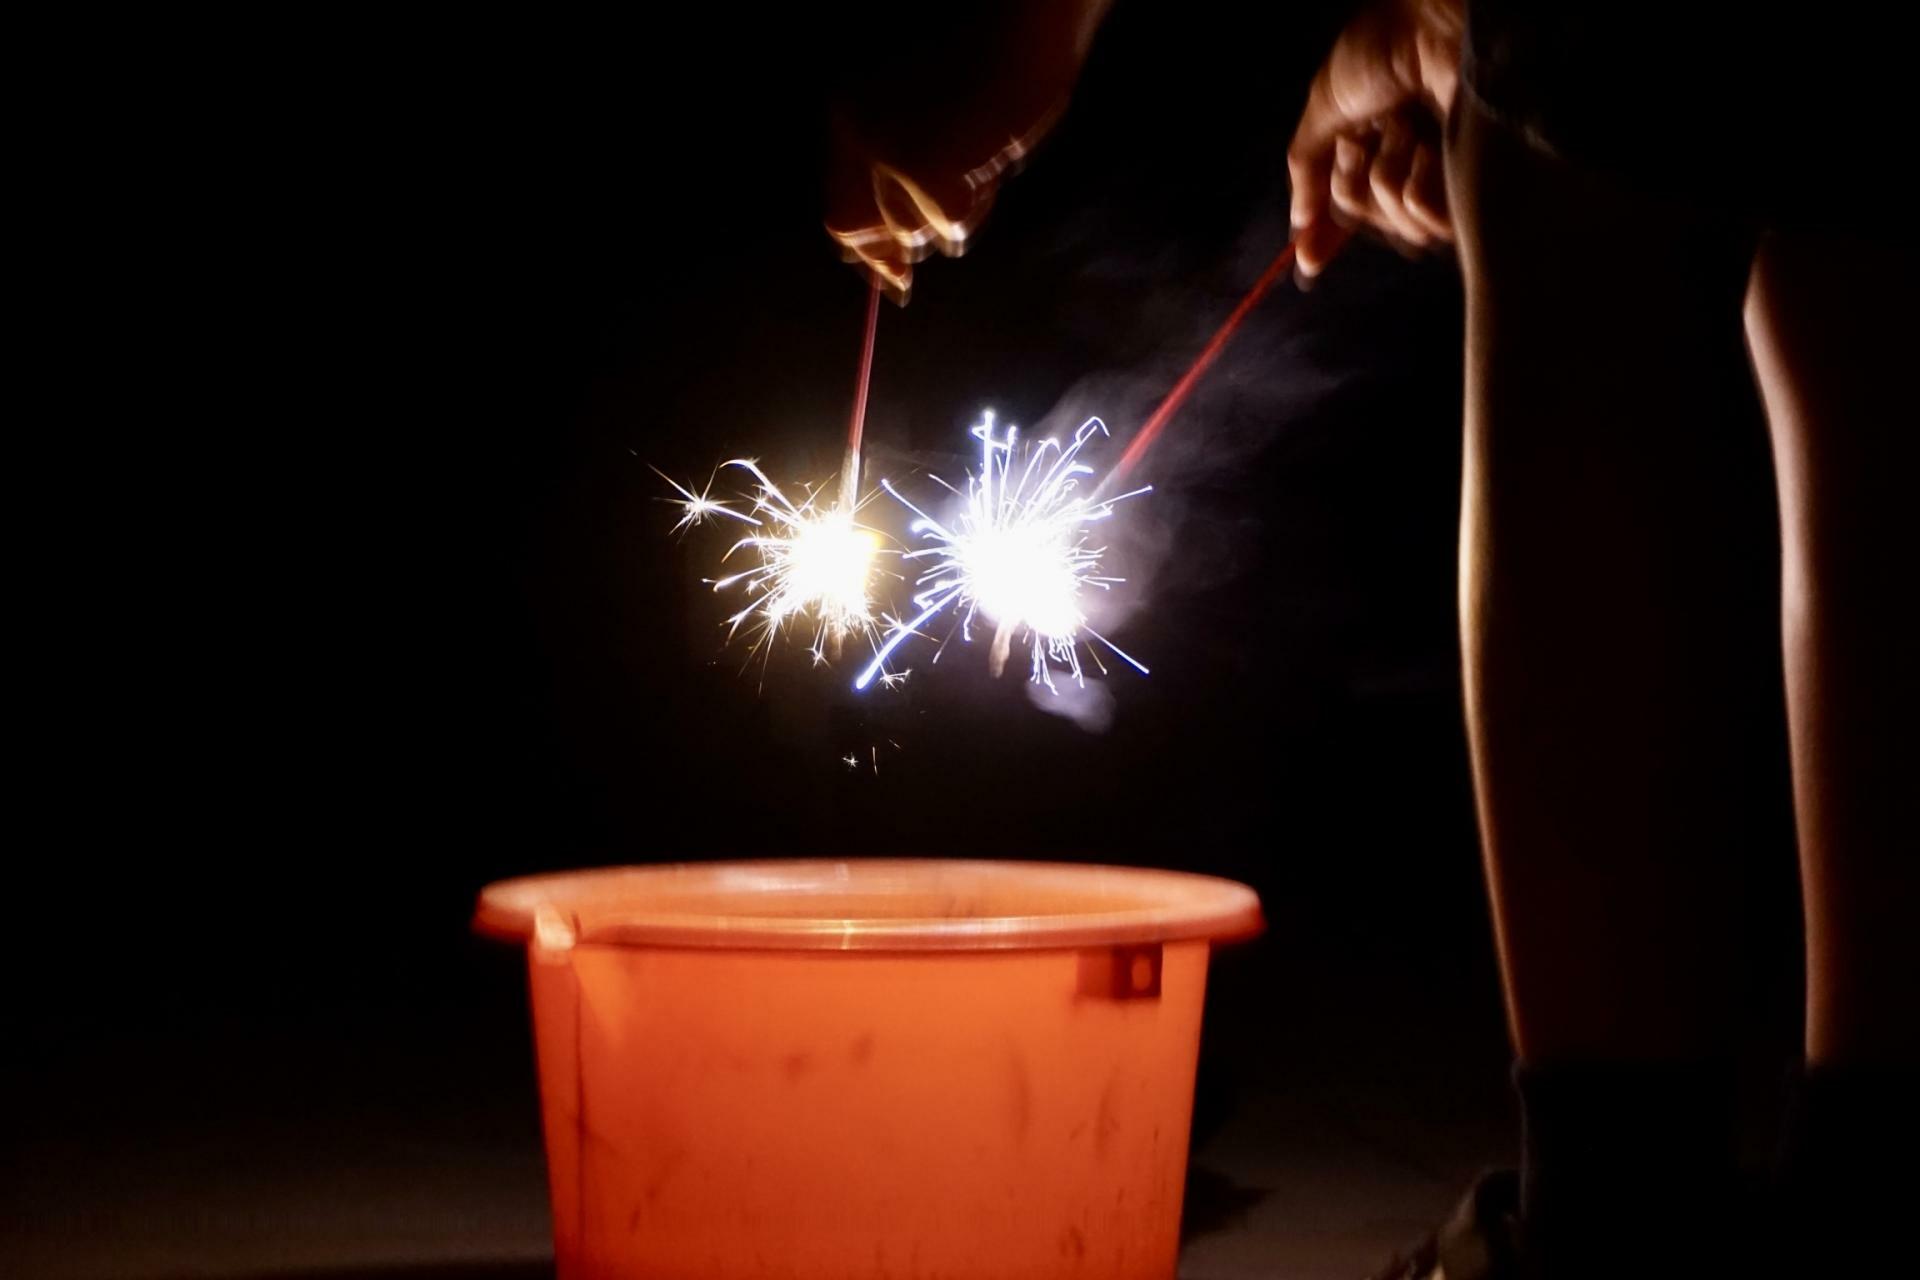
(683, 905)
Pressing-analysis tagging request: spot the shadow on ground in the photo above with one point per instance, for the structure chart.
(1215, 1202)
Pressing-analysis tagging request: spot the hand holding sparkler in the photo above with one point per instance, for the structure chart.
(923, 141)
(1367, 151)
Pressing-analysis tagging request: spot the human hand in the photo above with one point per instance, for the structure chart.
(919, 155)
(1367, 152)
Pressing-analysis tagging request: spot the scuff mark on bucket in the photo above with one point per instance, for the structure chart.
(1020, 1102)
(1107, 1124)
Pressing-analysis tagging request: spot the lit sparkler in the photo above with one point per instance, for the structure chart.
(1016, 555)
(814, 562)
(1150, 431)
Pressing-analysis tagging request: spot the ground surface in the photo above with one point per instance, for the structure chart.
(1339, 1113)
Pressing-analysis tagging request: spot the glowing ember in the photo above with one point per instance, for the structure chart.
(1015, 554)
(815, 563)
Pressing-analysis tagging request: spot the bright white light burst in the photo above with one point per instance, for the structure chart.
(1015, 554)
(815, 562)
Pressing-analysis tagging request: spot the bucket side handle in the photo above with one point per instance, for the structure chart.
(1128, 972)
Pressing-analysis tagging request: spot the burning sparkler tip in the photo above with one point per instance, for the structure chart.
(1015, 554)
(814, 561)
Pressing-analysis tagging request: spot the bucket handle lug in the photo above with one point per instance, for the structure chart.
(1121, 972)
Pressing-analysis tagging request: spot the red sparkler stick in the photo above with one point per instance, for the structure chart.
(1144, 438)
(850, 469)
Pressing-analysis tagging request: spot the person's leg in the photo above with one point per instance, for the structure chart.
(1598, 566)
(1605, 396)
(1832, 340)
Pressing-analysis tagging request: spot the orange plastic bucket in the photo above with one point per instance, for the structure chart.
(834, 1070)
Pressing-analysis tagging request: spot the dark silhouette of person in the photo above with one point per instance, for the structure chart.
(1641, 194)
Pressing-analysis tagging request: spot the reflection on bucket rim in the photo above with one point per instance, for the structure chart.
(894, 904)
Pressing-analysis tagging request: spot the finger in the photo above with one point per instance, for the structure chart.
(1319, 239)
(924, 217)
(893, 275)
(896, 283)
(1310, 155)
(1356, 83)
(1426, 193)
(1315, 246)
(856, 223)
(1352, 198)
(905, 226)
(876, 255)
(983, 198)
(1387, 179)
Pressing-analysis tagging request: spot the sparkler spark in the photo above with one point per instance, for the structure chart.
(814, 562)
(1016, 554)
(695, 508)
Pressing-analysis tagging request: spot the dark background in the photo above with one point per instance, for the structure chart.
(368, 598)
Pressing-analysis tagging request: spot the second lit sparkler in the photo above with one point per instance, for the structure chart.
(815, 559)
